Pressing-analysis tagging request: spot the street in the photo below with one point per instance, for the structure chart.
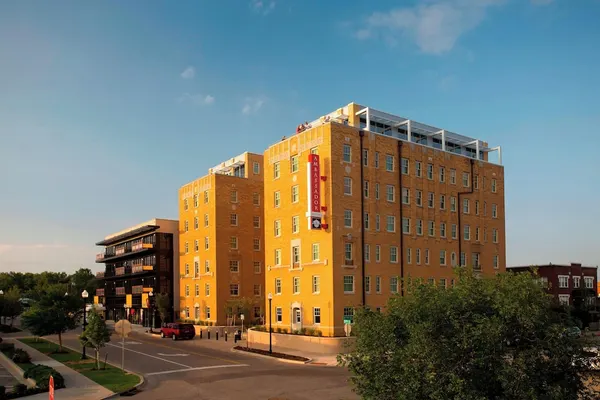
(207, 369)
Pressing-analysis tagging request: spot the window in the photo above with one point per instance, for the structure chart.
(494, 211)
(347, 185)
(378, 284)
(347, 156)
(576, 282)
(296, 255)
(206, 266)
(418, 256)
(453, 204)
(316, 315)
(430, 200)
(391, 223)
(296, 284)
(405, 225)
(348, 218)
(294, 164)
(442, 174)
(376, 191)
(376, 159)
(453, 231)
(234, 289)
(442, 229)
(418, 172)
(197, 311)
(409, 256)
(485, 208)
(278, 315)
(453, 259)
(467, 232)
(186, 247)
(187, 290)
(316, 252)
(233, 242)
(205, 196)
(187, 312)
(195, 200)
(256, 244)
(493, 186)
(563, 281)
(405, 166)
(366, 157)
(256, 199)
(277, 199)
(390, 193)
(207, 310)
(295, 224)
(316, 284)
(233, 196)
(185, 226)
(589, 282)
(463, 259)
(295, 195)
(419, 198)
(314, 150)
(426, 256)
(234, 266)
(453, 176)
(349, 314)
(205, 220)
(348, 251)
(187, 269)
(466, 206)
(465, 179)
(419, 227)
(257, 267)
(255, 168)
(377, 253)
(393, 254)
(348, 283)
(430, 171)
(495, 235)
(477, 234)
(276, 171)
(442, 283)
(196, 224)
(277, 285)
(442, 257)
(431, 228)
(476, 207)
(277, 257)
(389, 163)
(377, 223)
(257, 313)
(405, 196)
(563, 299)
(366, 221)
(196, 245)
(196, 268)
(185, 204)
(495, 261)
(233, 219)
(366, 189)
(256, 221)
(394, 284)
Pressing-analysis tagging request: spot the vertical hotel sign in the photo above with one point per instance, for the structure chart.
(314, 191)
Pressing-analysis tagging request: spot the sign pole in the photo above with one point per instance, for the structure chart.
(123, 349)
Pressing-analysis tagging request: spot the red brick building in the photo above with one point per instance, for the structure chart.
(565, 282)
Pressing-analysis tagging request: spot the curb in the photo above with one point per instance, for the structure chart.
(16, 371)
(114, 395)
(272, 358)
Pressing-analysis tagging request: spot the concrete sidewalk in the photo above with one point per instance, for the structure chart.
(78, 387)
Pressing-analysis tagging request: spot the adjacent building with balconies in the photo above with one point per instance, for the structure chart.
(140, 262)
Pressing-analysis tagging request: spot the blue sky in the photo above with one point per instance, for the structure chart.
(107, 108)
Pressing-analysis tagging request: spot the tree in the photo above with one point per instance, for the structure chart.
(83, 279)
(54, 313)
(11, 305)
(487, 338)
(96, 335)
(237, 306)
(162, 306)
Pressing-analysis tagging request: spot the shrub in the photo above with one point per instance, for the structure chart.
(20, 389)
(319, 333)
(310, 332)
(20, 356)
(7, 348)
(278, 330)
(41, 375)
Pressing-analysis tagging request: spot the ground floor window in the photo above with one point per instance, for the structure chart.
(278, 315)
(207, 312)
(349, 314)
(316, 315)
(563, 299)
(197, 312)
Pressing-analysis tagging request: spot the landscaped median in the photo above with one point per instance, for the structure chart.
(114, 379)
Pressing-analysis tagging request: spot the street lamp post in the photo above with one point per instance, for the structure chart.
(2, 294)
(84, 296)
(270, 297)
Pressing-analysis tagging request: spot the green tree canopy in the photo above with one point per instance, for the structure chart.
(490, 338)
(10, 306)
(54, 313)
(96, 335)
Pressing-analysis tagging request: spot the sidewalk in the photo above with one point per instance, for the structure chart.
(78, 387)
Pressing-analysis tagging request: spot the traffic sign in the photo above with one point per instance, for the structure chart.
(242, 317)
(51, 387)
(123, 328)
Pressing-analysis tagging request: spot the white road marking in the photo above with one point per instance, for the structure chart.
(197, 369)
(150, 355)
(172, 355)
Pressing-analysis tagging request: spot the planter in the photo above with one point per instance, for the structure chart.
(309, 344)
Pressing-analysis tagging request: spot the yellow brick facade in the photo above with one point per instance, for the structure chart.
(221, 241)
(320, 290)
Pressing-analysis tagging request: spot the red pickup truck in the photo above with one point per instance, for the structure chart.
(178, 331)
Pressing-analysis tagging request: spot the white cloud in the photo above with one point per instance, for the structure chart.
(252, 105)
(434, 25)
(197, 99)
(188, 73)
(263, 7)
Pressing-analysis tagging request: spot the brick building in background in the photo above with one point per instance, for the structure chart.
(360, 200)
(221, 241)
(565, 282)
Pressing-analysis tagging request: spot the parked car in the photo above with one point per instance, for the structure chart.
(178, 331)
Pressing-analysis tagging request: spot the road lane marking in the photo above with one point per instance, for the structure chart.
(196, 369)
(150, 355)
(172, 355)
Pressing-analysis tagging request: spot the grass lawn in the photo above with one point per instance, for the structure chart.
(111, 378)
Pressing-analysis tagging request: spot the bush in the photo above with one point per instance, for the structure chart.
(20, 356)
(8, 348)
(20, 389)
(318, 333)
(41, 375)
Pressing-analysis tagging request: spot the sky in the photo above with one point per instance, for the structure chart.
(108, 107)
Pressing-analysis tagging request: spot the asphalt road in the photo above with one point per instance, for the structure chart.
(202, 369)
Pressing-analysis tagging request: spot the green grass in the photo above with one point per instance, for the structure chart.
(111, 378)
